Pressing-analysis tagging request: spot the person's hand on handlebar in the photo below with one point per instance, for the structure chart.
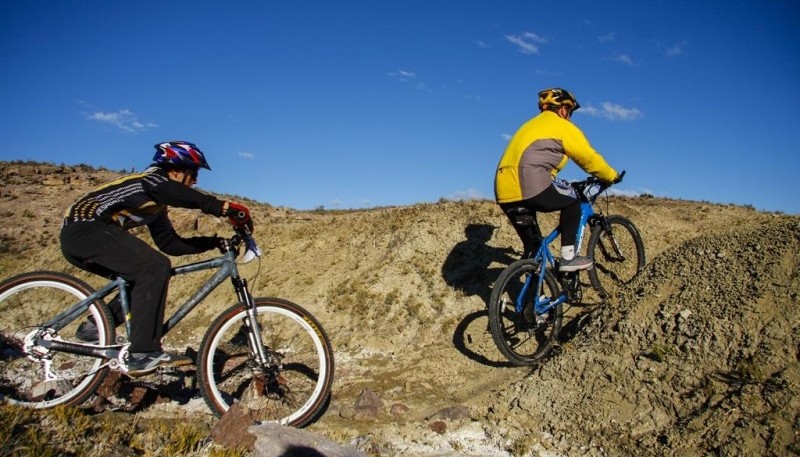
(238, 215)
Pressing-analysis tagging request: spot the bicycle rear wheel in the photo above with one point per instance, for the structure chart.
(523, 337)
(27, 301)
(617, 250)
(295, 386)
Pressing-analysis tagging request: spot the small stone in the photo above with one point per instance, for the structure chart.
(438, 426)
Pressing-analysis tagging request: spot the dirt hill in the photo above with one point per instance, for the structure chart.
(699, 356)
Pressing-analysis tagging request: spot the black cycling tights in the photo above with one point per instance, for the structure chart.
(548, 201)
(108, 250)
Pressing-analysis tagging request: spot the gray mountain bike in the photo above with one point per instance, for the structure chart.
(267, 353)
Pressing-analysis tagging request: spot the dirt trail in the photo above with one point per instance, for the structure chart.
(698, 357)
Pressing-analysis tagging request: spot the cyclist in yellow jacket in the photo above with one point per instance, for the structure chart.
(526, 174)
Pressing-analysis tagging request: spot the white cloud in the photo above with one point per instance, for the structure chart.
(527, 42)
(402, 75)
(469, 194)
(505, 136)
(123, 119)
(405, 76)
(611, 111)
(624, 58)
(675, 50)
(607, 37)
(246, 155)
(482, 44)
(624, 192)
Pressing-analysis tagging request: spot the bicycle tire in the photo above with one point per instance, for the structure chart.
(292, 392)
(523, 340)
(609, 248)
(28, 300)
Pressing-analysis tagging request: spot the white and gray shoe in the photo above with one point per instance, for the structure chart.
(142, 364)
(575, 264)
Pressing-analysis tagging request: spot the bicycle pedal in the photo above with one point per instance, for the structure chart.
(168, 371)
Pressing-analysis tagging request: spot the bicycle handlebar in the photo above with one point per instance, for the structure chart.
(243, 235)
(581, 186)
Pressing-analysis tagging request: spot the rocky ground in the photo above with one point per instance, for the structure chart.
(699, 356)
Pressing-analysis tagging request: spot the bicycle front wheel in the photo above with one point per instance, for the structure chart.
(43, 379)
(523, 337)
(295, 385)
(617, 250)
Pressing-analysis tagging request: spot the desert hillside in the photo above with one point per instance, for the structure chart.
(699, 356)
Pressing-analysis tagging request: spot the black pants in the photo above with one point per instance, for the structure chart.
(109, 251)
(548, 201)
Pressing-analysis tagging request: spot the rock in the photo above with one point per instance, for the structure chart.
(275, 440)
(111, 385)
(232, 429)
(398, 409)
(367, 406)
(451, 413)
(438, 426)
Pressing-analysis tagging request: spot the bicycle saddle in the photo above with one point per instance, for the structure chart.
(522, 216)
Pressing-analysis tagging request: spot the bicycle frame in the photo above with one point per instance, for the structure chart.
(544, 258)
(227, 268)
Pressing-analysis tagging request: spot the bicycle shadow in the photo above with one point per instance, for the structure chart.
(468, 269)
(467, 266)
(464, 342)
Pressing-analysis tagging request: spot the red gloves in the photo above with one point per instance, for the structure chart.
(239, 215)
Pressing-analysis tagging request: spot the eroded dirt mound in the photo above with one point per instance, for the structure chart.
(698, 356)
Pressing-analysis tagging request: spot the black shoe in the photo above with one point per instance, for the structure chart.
(87, 332)
(152, 360)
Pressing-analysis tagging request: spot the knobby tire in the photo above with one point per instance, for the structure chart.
(292, 392)
(613, 271)
(518, 336)
(27, 301)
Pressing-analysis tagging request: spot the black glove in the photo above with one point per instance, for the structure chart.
(206, 243)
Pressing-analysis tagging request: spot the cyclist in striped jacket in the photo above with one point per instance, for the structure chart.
(96, 238)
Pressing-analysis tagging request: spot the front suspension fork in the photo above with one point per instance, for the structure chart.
(254, 334)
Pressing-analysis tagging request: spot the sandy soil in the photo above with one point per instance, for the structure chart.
(699, 356)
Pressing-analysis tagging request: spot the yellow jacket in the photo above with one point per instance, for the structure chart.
(538, 151)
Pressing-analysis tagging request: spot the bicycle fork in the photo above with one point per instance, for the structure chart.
(254, 334)
(607, 238)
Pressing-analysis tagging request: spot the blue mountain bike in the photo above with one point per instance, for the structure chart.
(526, 304)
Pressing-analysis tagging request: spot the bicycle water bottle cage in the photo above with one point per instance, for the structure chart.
(521, 216)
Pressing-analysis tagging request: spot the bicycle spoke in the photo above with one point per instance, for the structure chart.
(291, 387)
(523, 337)
(618, 254)
(46, 378)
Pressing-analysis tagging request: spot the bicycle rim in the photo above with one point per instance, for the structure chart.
(618, 254)
(293, 390)
(27, 301)
(523, 337)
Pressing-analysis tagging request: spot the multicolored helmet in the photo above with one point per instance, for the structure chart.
(181, 154)
(556, 98)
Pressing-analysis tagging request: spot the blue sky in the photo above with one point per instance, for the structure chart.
(356, 104)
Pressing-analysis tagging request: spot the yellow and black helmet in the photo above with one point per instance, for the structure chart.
(555, 98)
